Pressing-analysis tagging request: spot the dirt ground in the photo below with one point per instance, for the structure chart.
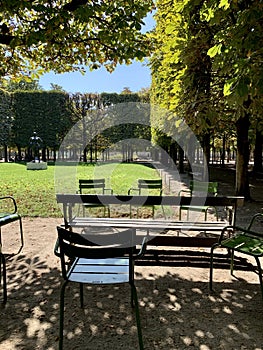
(177, 309)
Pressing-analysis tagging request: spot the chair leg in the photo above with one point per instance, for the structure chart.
(3, 268)
(232, 255)
(81, 295)
(21, 235)
(61, 316)
(211, 265)
(137, 315)
(260, 274)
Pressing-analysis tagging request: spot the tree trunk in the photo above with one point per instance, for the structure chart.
(206, 147)
(242, 180)
(258, 153)
(223, 154)
(181, 160)
(6, 153)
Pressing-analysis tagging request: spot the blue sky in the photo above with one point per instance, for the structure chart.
(135, 76)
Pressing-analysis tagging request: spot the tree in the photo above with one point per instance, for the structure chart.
(82, 106)
(237, 56)
(6, 118)
(208, 69)
(181, 69)
(66, 35)
(22, 85)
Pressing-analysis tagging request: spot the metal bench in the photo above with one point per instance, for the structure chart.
(68, 202)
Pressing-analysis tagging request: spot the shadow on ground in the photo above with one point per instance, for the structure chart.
(176, 312)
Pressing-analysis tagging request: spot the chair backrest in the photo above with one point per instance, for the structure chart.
(256, 224)
(151, 184)
(89, 184)
(7, 205)
(208, 188)
(76, 245)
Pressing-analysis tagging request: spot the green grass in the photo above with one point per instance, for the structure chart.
(35, 191)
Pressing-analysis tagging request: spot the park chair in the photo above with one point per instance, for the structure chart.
(8, 214)
(146, 187)
(94, 186)
(3, 275)
(95, 264)
(245, 241)
(202, 189)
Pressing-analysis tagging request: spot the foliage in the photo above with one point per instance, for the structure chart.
(35, 193)
(207, 69)
(42, 112)
(65, 35)
(22, 85)
(5, 117)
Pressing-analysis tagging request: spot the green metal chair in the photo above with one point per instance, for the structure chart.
(91, 263)
(8, 214)
(245, 241)
(146, 186)
(3, 275)
(200, 188)
(95, 186)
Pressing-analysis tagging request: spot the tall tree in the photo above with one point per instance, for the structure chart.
(66, 35)
(207, 68)
(6, 119)
(237, 57)
(181, 67)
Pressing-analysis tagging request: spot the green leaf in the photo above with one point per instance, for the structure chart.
(213, 51)
(224, 4)
(228, 87)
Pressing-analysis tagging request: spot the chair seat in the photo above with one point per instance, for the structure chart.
(98, 271)
(6, 218)
(244, 243)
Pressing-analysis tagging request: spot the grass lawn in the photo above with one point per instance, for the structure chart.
(34, 190)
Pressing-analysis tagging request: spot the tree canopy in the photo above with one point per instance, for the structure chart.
(65, 35)
(207, 70)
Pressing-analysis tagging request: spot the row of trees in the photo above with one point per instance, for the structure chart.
(51, 114)
(207, 69)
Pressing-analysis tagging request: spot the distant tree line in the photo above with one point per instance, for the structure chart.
(25, 108)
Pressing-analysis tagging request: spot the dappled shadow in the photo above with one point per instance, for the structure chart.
(182, 313)
(192, 258)
(176, 312)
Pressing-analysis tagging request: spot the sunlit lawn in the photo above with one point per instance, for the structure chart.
(35, 190)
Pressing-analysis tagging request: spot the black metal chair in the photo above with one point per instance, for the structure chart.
(201, 188)
(8, 214)
(95, 186)
(146, 186)
(245, 241)
(92, 263)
